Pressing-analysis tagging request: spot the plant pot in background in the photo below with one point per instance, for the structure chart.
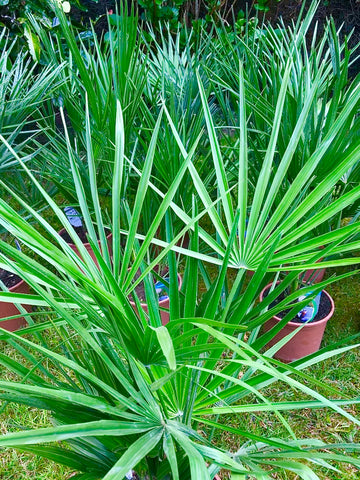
(184, 242)
(87, 245)
(310, 276)
(306, 341)
(8, 309)
(165, 303)
(314, 276)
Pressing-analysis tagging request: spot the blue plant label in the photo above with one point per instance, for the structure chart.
(308, 313)
(159, 286)
(161, 290)
(73, 216)
(317, 300)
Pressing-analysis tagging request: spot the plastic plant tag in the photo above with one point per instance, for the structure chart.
(161, 290)
(73, 216)
(308, 313)
(159, 286)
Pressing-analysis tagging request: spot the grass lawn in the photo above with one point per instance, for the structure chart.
(343, 372)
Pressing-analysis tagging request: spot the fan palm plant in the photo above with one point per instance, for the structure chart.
(171, 80)
(126, 393)
(105, 71)
(299, 212)
(321, 58)
(24, 87)
(22, 90)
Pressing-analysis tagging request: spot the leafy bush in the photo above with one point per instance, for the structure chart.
(161, 10)
(124, 391)
(24, 89)
(14, 16)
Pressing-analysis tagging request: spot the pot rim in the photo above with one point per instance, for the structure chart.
(17, 285)
(309, 324)
(11, 289)
(86, 244)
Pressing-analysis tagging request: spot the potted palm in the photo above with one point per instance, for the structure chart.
(305, 330)
(318, 84)
(283, 185)
(127, 393)
(14, 284)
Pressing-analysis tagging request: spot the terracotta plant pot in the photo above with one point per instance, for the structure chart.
(9, 309)
(88, 246)
(314, 276)
(184, 242)
(162, 304)
(306, 341)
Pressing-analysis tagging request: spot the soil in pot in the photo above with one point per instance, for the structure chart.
(159, 287)
(9, 279)
(323, 311)
(80, 231)
(15, 285)
(308, 339)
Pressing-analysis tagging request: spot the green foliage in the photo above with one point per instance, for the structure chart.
(159, 10)
(264, 5)
(23, 90)
(185, 12)
(107, 70)
(143, 119)
(16, 10)
(14, 16)
(264, 52)
(123, 392)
